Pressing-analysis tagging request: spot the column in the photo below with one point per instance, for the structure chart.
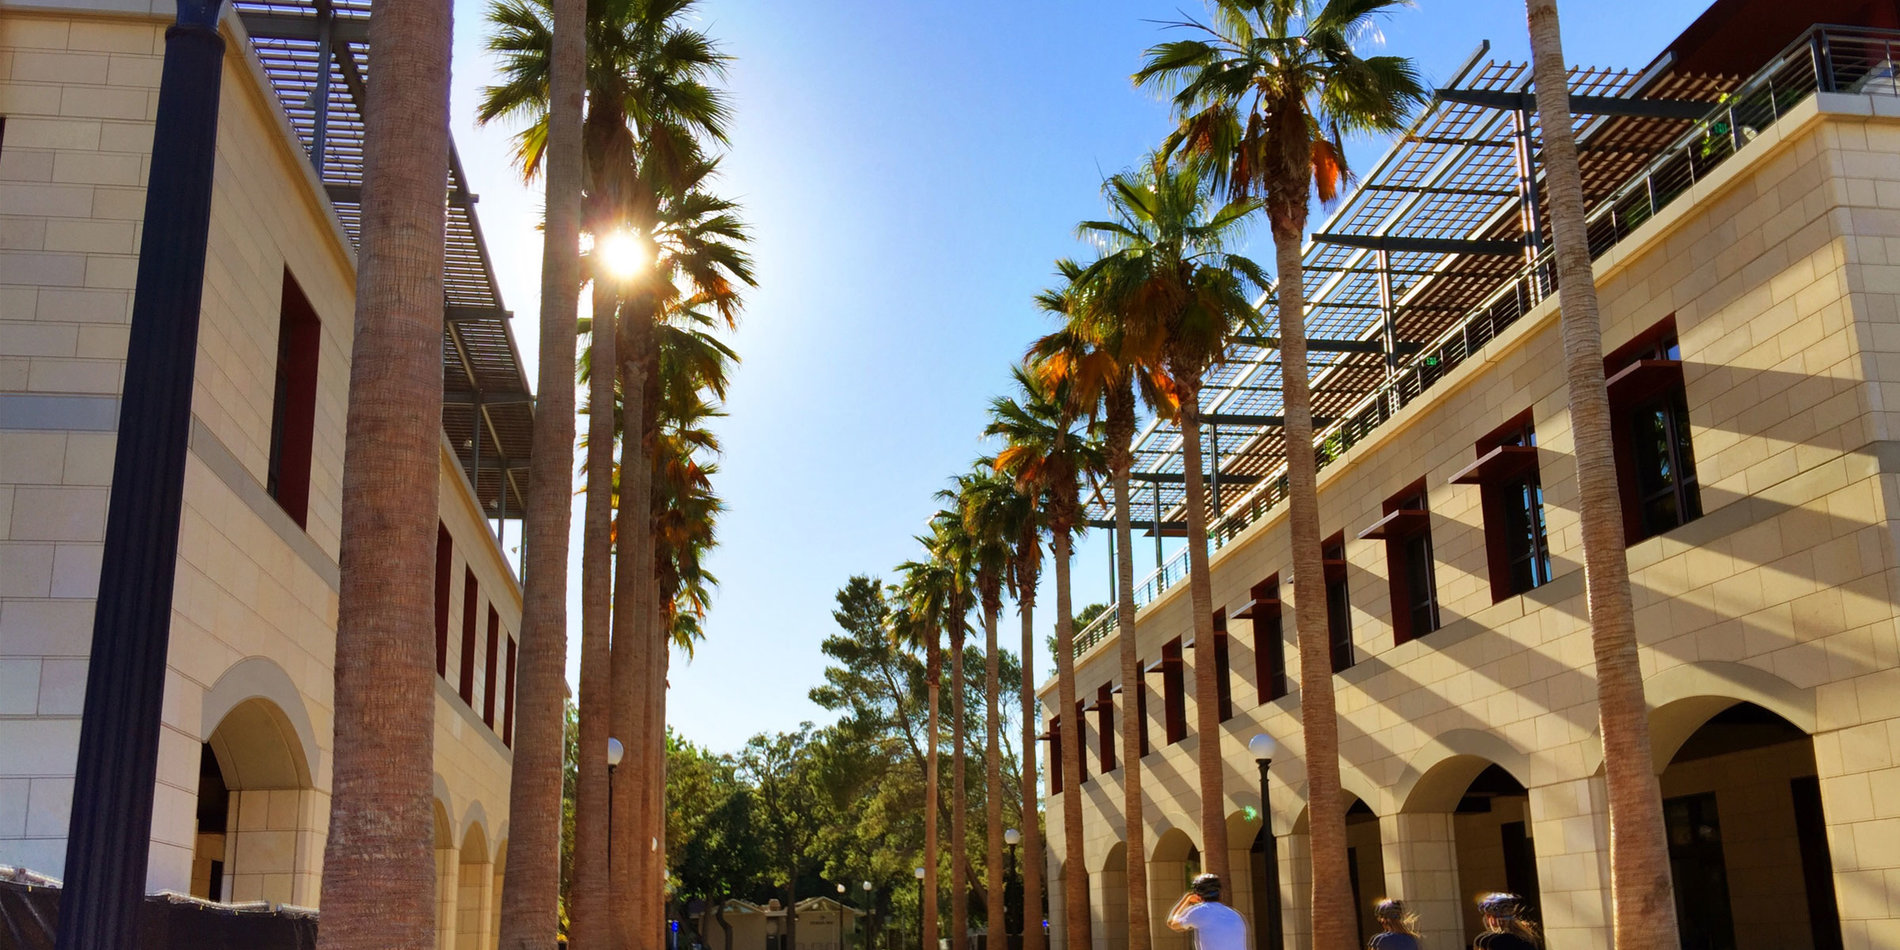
(1296, 889)
(1421, 868)
(1570, 822)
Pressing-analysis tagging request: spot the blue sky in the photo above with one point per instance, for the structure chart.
(911, 169)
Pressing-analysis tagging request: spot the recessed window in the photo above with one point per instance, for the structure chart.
(1655, 460)
(1269, 640)
(1512, 496)
(471, 597)
(1081, 740)
(1141, 708)
(1338, 604)
(1173, 692)
(508, 700)
(1406, 531)
(490, 668)
(294, 403)
(1105, 726)
(1055, 755)
(1223, 687)
(444, 554)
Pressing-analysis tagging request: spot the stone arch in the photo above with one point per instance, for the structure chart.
(256, 834)
(1436, 776)
(1351, 781)
(475, 817)
(447, 859)
(259, 677)
(1683, 698)
(472, 888)
(1173, 844)
(1175, 858)
(1111, 883)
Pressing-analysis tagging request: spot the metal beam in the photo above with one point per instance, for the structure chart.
(454, 314)
(487, 399)
(353, 194)
(1140, 525)
(281, 26)
(1329, 346)
(1426, 190)
(1251, 419)
(1176, 478)
(1422, 245)
(1583, 105)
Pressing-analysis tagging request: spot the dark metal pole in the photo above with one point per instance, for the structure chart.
(1113, 568)
(108, 838)
(320, 96)
(1157, 496)
(1276, 935)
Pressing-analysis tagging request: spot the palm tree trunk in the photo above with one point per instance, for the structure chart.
(933, 670)
(959, 787)
(1075, 877)
(378, 871)
(1206, 671)
(1333, 910)
(655, 805)
(1028, 553)
(589, 918)
(1644, 913)
(531, 903)
(650, 905)
(994, 896)
(1121, 431)
(633, 645)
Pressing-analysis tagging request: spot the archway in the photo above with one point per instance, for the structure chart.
(1464, 830)
(1365, 865)
(495, 893)
(472, 890)
(1175, 862)
(1747, 839)
(446, 859)
(256, 835)
(1112, 897)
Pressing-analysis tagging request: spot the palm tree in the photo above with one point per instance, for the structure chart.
(993, 514)
(1265, 95)
(951, 547)
(1048, 456)
(530, 904)
(1644, 910)
(378, 871)
(1176, 289)
(924, 592)
(1101, 355)
(1025, 564)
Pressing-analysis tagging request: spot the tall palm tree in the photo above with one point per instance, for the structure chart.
(1048, 456)
(1022, 574)
(1171, 282)
(1102, 354)
(589, 917)
(924, 592)
(530, 904)
(951, 547)
(1265, 94)
(1644, 910)
(378, 872)
(993, 514)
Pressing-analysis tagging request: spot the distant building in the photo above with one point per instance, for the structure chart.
(823, 924)
(1744, 193)
(243, 796)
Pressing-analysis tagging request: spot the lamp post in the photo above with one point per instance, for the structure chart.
(615, 752)
(841, 917)
(1263, 748)
(920, 909)
(1012, 838)
(870, 910)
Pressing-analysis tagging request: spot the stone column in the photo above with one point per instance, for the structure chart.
(1296, 888)
(1421, 868)
(1570, 821)
(1052, 888)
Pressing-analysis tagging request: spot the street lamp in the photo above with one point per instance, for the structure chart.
(920, 908)
(1012, 837)
(841, 917)
(615, 752)
(1263, 748)
(870, 911)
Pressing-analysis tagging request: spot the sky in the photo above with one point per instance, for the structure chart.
(910, 169)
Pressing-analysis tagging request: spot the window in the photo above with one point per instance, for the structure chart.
(1655, 462)
(1224, 690)
(508, 700)
(1055, 755)
(1269, 640)
(1512, 497)
(1173, 695)
(1406, 531)
(444, 553)
(294, 404)
(1141, 708)
(1081, 741)
(1338, 606)
(470, 597)
(1105, 725)
(488, 684)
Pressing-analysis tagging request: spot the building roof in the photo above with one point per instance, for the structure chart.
(315, 54)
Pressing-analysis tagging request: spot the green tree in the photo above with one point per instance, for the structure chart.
(784, 775)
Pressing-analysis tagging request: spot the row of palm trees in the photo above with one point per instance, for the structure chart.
(1264, 91)
(622, 118)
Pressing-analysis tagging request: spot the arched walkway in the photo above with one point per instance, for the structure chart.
(258, 834)
(1175, 862)
(1464, 829)
(472, 891)
(446, 860)
(1111, 899)
(1365, 862)
(501, 871)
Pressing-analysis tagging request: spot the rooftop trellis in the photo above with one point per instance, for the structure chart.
(316, 56)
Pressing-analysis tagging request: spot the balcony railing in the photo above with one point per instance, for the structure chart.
(1856, 60)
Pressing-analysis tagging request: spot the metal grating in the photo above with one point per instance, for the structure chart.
(316, 56)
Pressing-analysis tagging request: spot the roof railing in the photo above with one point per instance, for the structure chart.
(1826, 58)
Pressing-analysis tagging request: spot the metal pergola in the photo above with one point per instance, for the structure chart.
(1449, 217)
(316, 56)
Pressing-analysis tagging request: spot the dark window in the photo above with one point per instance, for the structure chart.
(1817, 867)
(1141, 708)
(1223, 688)
(1269, 640)
(470, 597)
(508, 700)
(1655, 462)
(1520, 861)
(294, 404)
(1173, 693)
(1055, 755)
(1411, 574)
(1338, 605)
(1699, 871)
(1082, 741)
(491, 668)
(1512, 498)
(444, 554)
(1105, 725)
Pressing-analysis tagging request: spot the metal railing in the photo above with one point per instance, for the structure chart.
(1858, 60)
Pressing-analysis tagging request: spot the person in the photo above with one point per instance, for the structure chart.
(1216, 926)
(1398, 927)
(1505, 926)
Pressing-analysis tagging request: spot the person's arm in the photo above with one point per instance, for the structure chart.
(1177, 918)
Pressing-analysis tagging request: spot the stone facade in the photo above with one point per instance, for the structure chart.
(1781, 271)
(255, 606)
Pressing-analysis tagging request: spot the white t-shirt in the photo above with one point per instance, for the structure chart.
(1216, 927)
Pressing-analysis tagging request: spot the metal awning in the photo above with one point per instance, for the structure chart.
(316, 55)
